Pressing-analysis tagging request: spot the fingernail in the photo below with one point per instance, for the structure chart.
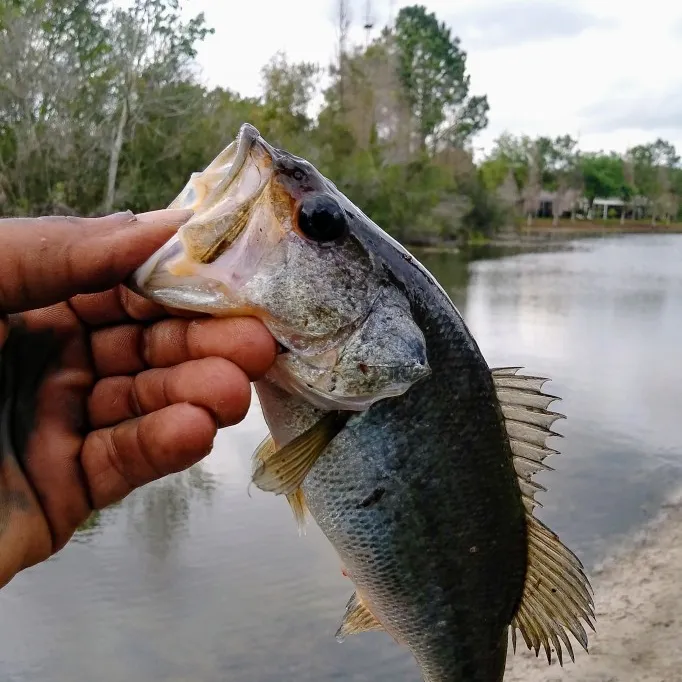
(165, 216)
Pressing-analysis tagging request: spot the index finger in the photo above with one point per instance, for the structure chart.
(48, 260)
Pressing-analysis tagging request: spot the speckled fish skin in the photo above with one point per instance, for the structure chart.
(419, 497)
(413, 457)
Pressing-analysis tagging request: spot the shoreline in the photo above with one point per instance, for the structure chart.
(545, 235)
(638, 607)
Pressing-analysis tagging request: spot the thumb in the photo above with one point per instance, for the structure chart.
(47, 260)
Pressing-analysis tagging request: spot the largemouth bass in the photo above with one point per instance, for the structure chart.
(386, 424)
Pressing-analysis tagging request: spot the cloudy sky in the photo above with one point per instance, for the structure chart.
(605, 71)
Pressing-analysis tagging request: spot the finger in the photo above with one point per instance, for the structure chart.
(115, 305)
(119, 459)
(215, 384)
(127, 349)
(46, 260)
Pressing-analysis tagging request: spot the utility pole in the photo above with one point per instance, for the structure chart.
(369, 21)
(343, 26)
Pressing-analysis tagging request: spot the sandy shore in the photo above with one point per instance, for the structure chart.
(638, 604)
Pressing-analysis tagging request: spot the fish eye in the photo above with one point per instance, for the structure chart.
(321, 219)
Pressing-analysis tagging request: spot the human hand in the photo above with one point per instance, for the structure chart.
(134, 392)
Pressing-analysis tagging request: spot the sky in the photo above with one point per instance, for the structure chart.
(606, 72)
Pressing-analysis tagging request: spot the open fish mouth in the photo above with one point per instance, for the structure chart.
(222, 197)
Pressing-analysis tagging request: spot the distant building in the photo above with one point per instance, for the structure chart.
(601, 207)
(636, 208)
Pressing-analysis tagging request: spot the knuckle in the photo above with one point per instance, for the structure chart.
(134, 402)
(114, 457)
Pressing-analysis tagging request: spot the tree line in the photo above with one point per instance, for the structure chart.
(101, 108)
(529, 175)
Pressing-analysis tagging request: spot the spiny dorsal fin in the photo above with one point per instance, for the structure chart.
(358, 618)
(296, 500)
(557, 593)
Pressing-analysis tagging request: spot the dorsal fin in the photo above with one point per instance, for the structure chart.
(557, 593)
(296, 500)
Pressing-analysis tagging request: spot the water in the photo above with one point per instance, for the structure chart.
(192, 580)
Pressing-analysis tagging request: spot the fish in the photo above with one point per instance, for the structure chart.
(386, 426)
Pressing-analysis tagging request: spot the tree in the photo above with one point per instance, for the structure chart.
(628, 189)
(508, 193)
(533, 185)
(508, 153)
(563, 175)
(287, 92)
(432, 70)
(653, 165)
(151, 47)
(343, 17)
(52, 70)
(602, 175)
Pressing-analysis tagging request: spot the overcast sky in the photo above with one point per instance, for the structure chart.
(606, 71)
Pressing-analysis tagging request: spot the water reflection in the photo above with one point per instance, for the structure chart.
(191, 579)
(158, 515)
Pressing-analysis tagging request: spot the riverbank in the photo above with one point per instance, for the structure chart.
(543, 233)
(638, 604)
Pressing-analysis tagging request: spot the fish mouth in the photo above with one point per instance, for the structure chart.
(222, 197)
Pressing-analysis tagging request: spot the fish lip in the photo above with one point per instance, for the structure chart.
(246, 138)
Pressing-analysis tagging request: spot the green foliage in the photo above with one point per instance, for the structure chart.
(288, 90)
(432, 71)
(101, 109)
(602, 175)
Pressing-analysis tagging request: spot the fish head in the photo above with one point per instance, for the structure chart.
(272, 238)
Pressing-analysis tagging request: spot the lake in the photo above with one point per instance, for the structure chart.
(193, 580)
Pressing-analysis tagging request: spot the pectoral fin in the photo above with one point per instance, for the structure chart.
(264, 452)
(284, 471)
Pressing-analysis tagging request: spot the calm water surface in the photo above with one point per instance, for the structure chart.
(191, 579)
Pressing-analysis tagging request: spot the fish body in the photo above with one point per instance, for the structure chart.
(386, 424)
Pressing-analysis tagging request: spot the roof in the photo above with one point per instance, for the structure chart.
(610, 201)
